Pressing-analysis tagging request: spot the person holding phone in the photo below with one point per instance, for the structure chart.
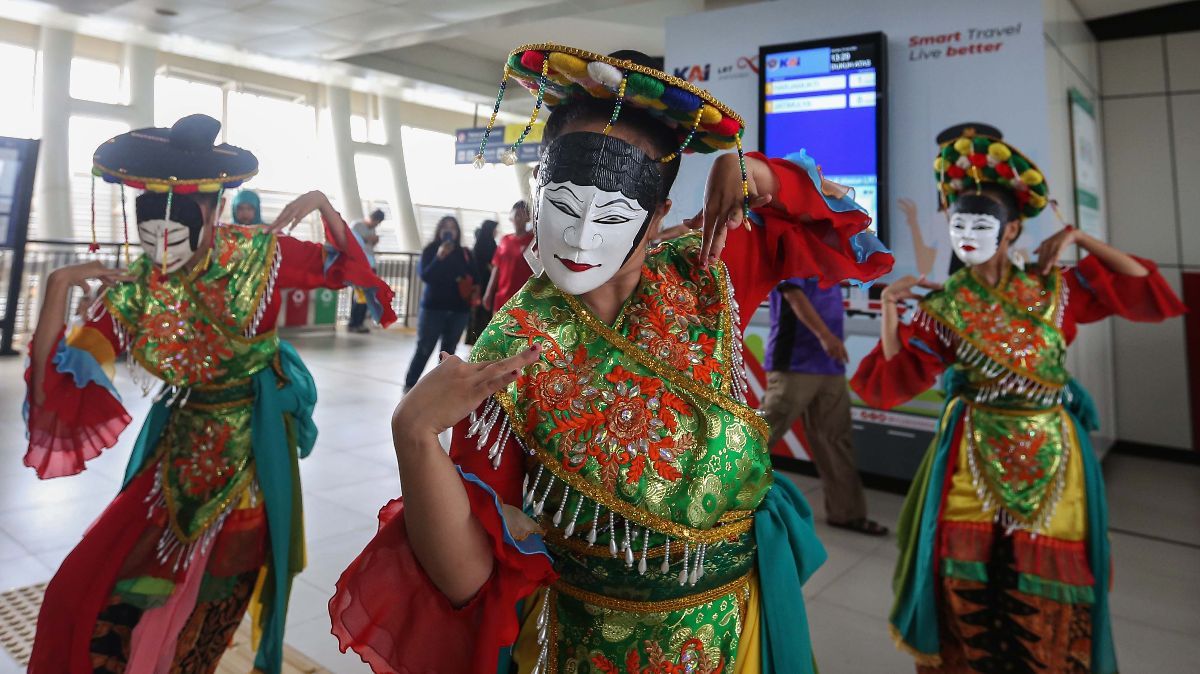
(451, 288)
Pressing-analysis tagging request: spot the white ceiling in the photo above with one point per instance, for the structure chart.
(452, 43)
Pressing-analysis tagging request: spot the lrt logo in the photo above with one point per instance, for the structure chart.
(695, 73)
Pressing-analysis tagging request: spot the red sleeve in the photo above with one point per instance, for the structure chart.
(388, 611)
(81, 415)
(1095, 292)
(883, 383)
(307, 265)
(803, 233)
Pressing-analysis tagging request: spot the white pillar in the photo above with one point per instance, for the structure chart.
(53, 189)
(406, 217)
(140, 66)
(525, 183)
(337, 101)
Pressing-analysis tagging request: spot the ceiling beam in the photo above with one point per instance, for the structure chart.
(1180, 17)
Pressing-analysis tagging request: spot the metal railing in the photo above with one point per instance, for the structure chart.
(42, 256)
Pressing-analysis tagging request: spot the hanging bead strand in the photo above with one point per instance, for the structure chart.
(479, 162)
(745, 181)
(94, 246)
(510, 155)
(620, 101)
(686, 141)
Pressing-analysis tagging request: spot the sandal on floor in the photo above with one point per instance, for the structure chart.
(861, 525)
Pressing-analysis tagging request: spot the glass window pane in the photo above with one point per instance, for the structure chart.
(84, 135)
(358, 128)
(438, 184)
(175, 97)
(283, 135)
(93, 80)
(17, 81)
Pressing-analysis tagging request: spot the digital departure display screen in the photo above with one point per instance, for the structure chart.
(828, 97)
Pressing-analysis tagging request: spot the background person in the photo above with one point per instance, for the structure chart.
(484, 250)
(510, 270)
(365, 230)
(247, 208)
(448, 271)
(806, 378)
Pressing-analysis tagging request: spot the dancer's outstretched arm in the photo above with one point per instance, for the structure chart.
(446, 539)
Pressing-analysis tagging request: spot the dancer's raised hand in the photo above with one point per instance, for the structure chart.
(452, 390)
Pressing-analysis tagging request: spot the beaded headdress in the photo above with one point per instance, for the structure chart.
(183, 159)
(556, 74)
(977, 157)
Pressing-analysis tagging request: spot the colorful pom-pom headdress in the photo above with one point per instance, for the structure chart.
(556, 74)
(180, 160)
(976, 156)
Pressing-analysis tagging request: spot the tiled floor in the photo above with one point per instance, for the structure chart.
(1155, 519)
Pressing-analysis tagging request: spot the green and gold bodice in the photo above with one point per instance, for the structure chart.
(644, 463)
(196, 331)
(196, 328)
(1010, 346)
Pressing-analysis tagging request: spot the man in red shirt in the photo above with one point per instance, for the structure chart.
(510, 270)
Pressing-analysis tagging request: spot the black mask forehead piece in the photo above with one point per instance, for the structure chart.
(607, 163)
(979, 204)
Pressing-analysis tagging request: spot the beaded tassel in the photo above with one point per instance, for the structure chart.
(562, 506)
(492, 121)
(745, 182)
(683, 573)
(94, 246)
(620, 101)
(666, 564)
(645, 551)
(541, 503)
(125, 223)
(570, 530)
(591, 537)
(686, 141)
(628, 547)
(510, 155)
(612, 535)
(532, 493)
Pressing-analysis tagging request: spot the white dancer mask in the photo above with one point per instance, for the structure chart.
(595, 201)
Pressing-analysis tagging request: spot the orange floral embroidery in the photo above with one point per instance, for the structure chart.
(206, 468)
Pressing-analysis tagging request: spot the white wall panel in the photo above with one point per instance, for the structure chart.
(1185, 118)
(1151, 379)
(1133, 66)
(1141, 198)
(1183, 61)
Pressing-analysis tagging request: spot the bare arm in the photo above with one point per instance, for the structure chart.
(450, 544)
(889, 326)
(306, 203)
(1118, 261)
(489, 295)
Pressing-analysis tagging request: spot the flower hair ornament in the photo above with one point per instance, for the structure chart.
(978, 157)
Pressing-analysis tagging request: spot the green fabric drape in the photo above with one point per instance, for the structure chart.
(788, 554)
(914, 617)
(282, 431)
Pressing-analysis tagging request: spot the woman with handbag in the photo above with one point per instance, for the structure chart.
(451, 289)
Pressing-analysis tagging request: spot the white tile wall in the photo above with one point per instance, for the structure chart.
(1133, 66)
(1152, 155)
(1151, 378)
(1141, 198)
(1183, 54)
(1185, 115)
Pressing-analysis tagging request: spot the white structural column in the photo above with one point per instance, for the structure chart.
(337, 100)
(140, 65)
(406, 217)
(53, 190)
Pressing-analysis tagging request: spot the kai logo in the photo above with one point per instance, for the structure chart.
(694, 73)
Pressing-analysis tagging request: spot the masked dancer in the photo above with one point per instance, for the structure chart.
(208, 521)
(1004, 563)
(608, 502)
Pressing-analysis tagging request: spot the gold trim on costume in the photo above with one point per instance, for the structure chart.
(661, 606)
